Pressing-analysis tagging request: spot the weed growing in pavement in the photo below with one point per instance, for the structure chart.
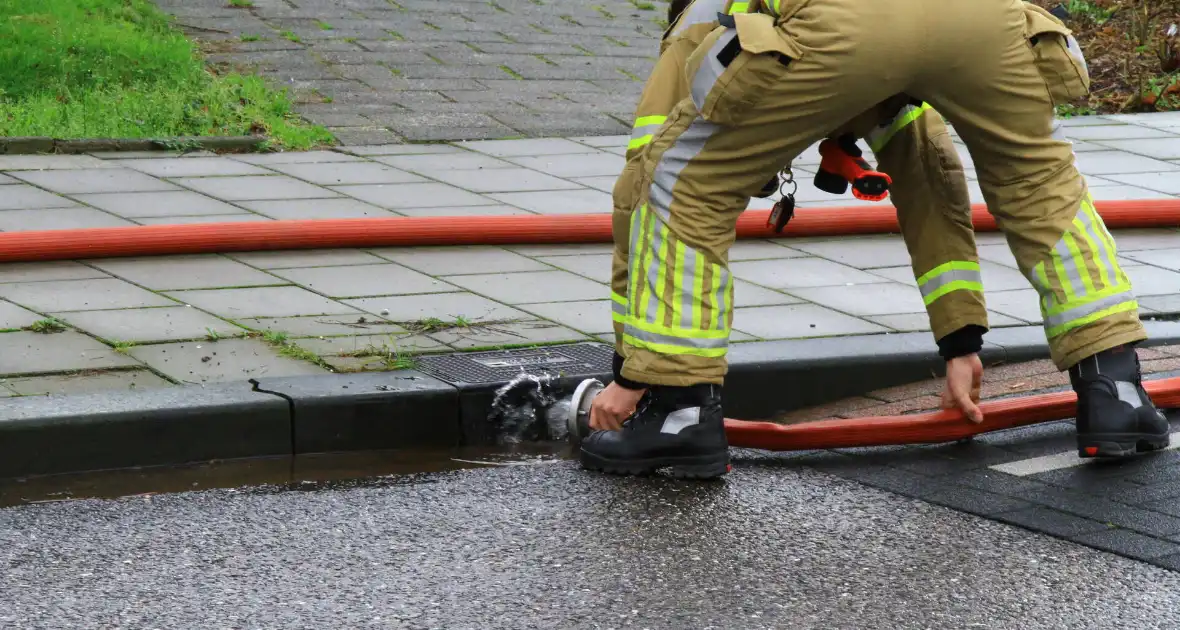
(47, 326)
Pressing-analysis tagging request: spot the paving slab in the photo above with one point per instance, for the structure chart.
(340, 173)
(763, 250)
(218, 361)
(188, 271)
(575, 165)
(445, 306)
(96, 180)
(190, 167)
(13, 316)
(300, 209)
(540, 286)
(25, 197)
(558, 202)
(1149, 144)
(870, 252)
(66, 351)
(50, 162)
(245, 217)
(59, 296)
(800, 273)
(1112, 132)
(397, 196)
(430, 163)
(323, 325)
(1165, 182)
(49, 270)
(58, 219)
(526, 148)
(1109, 163)
(465, 211)
(305, 258)
(157, 204)
(872, 299)
(514, 333)
(596, 267)
(170, 323)
(446, 261)
(261, 302)
(364, 280)
(85, 382)
(587, 316)
(503, 180)
(296, 157)
(798, 321)
(383, 346)
(255, 187)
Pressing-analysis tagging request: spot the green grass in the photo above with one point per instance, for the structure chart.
(47, 326)
(118, 69)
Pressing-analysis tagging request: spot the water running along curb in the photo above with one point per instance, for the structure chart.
(444, 404)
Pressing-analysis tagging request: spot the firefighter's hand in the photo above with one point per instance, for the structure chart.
(964, 377)
(612, 406)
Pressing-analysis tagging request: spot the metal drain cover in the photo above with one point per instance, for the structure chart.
(497, 366)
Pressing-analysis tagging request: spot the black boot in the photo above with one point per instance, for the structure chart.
(678, 427)
(1115, 417)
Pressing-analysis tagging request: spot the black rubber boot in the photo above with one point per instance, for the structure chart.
(681, 428)
(1115, 416)
(769, 188)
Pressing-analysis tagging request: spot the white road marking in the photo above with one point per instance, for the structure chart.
(1045, 463)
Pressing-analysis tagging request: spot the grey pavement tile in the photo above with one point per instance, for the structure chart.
(999, 254)
(576, 165)
(345, 173)
(444, 306)
(25, 197)
(1127, 241)
(570, 249)
(1114, 132)
(149, 324)
(605, 183)
(219, 361)
(799, 273)
(364, 280)
(431, 163)
(287, 259)
(402, 149)
(746, 294)
(49, 270)
(527, 332)
(107, 156)
(1160, 148)
(98, 180)
(397, 196)
(38, 353)
(245, 217)
(7, 180)
(559, 201)
(861, 252)
(1166, 258)
(996, 277)
(323, 325)
(255, 187)
(1149, 119)
(798, 321)
(1118, 193)
(1160, 303)
(1148, 280)
(1022, 304)
(296, 157)
(466, 211)
(50, 162)
(58, 296)
(1168, 182)
(13, 316)
(1108, 163)
(186, 271)
(874, 299)
(157, 204)
(58, 219)
(918, 322)
(190, 167)
(525, 148)
(762, 250)
(597, 267)
(1127, 543)
(85, 382)
(457, 260)
(262, 302)
(587, 316)
(535, 286)
(603, 141)
(299, 209)
(503, 180)
(375, 345)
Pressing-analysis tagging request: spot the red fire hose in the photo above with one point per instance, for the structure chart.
(596, 228)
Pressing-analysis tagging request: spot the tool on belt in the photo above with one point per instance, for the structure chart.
(842, 165)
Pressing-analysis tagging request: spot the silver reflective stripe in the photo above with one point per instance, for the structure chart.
(634, 260)
(1072, 273)
(722, 297)
(1075, 50)
(699, 12)
(646, 130)
(686, 148)
(1053, 321)
(618, 308)
(1103, 257)
(656, 271)
(954, 275)
(690, 342)
(681, 419)
(710, 70)
(688, 277)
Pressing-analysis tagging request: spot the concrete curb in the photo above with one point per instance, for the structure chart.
(443, 404)
(32, 145)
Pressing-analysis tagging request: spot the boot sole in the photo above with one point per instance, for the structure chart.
(1119, 444)
(696, 467)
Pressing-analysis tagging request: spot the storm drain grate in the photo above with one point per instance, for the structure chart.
(503, 365)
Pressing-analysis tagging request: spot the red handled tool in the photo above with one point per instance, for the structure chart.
(842, 164)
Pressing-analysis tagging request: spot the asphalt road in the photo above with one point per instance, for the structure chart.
(550, 546)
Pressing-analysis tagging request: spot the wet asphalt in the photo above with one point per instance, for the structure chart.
(774, 545)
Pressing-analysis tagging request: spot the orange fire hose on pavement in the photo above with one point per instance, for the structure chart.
(158, 240)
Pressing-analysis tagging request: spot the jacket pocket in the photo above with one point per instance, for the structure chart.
(1058, 56)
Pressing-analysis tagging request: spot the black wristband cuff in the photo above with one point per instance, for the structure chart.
(620, 379)
(964, 341)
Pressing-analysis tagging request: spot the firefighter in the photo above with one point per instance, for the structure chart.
(769, 83)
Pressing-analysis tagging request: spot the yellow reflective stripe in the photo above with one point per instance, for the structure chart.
(739, 6)
(881, 137)
(618, 307)
(698, 287)
(1060, 329)
(662, 276)
(957, 285)
(635, 143)
(642, 259)
(676, 331)
(618, 298)
(1107, 239)
(644, 130)
(644, 121)
(666, 348)
(1089, 299)
(714, 291)
(1092, 245)
(954, 265)
(1076, 253)
(1059, 269)
(956, 275)
(677, 279)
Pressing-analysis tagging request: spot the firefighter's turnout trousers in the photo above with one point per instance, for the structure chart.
(778, 81)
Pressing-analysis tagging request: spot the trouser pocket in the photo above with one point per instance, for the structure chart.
(1057, 55)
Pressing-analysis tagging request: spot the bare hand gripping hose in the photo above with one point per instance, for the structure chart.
(158, 240)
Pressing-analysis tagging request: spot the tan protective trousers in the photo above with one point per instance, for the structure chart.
(994, 68)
